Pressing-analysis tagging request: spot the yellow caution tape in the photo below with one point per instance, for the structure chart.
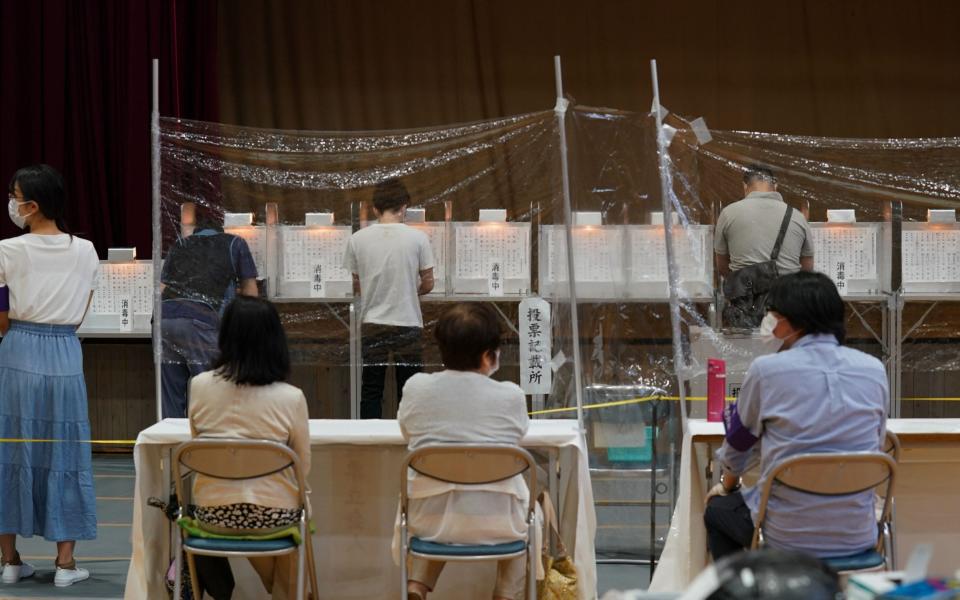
(618, 403)
(697, 399)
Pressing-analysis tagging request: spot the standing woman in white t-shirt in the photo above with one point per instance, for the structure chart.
(47, 488)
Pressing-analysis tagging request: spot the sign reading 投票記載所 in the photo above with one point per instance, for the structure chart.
(535, 370)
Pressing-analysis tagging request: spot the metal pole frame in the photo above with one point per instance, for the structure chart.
(672, 271)
(157, 248)
(561, 111)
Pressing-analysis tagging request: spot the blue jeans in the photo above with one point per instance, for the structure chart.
(189, 348)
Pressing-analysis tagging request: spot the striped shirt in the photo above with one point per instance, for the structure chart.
(816, 397)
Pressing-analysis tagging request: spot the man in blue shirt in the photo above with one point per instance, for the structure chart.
(815, 395)
(201, 273)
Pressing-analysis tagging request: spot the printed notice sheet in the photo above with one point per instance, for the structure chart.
(119, 281)
(481, 245)
(304, 249)
(597, 256)
(648, 253)
(845, 253)
(931, 256)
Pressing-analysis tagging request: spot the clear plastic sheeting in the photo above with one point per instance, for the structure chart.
(296, 197)
(883, 228)
(489, 196)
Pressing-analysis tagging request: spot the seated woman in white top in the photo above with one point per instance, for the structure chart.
(244, 396)
(463, 404)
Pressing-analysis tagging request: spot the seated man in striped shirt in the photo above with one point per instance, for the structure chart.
(814, 395)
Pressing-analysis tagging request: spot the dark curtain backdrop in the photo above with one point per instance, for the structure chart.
(859, 68)
(76, 81)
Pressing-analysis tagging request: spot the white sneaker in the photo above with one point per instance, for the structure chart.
(14, 573)
(68, 577)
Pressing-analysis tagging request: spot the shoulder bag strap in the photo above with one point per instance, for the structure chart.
(782, 234)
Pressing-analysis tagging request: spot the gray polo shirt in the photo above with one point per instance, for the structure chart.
(747, 230)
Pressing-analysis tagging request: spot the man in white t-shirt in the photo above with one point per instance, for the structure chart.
(392, 266)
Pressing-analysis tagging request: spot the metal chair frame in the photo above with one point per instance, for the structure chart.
(525, 465)
(837, 460)
(283, 458)
(888, 529)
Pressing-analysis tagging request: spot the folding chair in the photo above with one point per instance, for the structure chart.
(838, 474)
(469, 464)
(241, 459)
(892, 447)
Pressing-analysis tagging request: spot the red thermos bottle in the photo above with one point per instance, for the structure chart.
(716, 388)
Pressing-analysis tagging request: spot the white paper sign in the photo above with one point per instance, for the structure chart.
(116, 280)
(536, 375)
(845, 253)
(597, 256)
(931, 256)
(318, 281)
(495, 278)
(305, 248)
(475, 244)
(125, 302)
(648, 251)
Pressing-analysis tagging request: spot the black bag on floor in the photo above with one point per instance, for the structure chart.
(214, 572)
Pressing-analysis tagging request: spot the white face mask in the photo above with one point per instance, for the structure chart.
(767, 326)
(13, 209)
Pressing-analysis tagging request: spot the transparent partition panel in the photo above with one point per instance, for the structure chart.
(291, 200)
(617, 247)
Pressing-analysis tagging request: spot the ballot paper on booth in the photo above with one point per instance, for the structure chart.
(535, 371)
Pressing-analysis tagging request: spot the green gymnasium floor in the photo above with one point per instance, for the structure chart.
(106, 557)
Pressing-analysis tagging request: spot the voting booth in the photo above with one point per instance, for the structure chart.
(591, 232)
(296, 198)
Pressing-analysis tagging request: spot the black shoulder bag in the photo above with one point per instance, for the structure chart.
(746, 289)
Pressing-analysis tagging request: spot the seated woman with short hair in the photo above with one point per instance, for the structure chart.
(462, 404)
(813, 396)
(245, 396)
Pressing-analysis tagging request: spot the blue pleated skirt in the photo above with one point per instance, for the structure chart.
(46, 487)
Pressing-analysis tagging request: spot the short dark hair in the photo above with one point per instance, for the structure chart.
(44, 185)
(207, 216)
(755, 172)
(253, 344)
(390, 194)
(465, 333)
(810, 302)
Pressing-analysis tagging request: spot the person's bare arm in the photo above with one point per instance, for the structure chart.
(4, 322)
(426, 281)
(248, 287)
(723, 264)
(356, 284)
(806, 263)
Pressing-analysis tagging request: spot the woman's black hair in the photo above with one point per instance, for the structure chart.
(810, 302)
(465, 333)
(253, 344)
(44, 185)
